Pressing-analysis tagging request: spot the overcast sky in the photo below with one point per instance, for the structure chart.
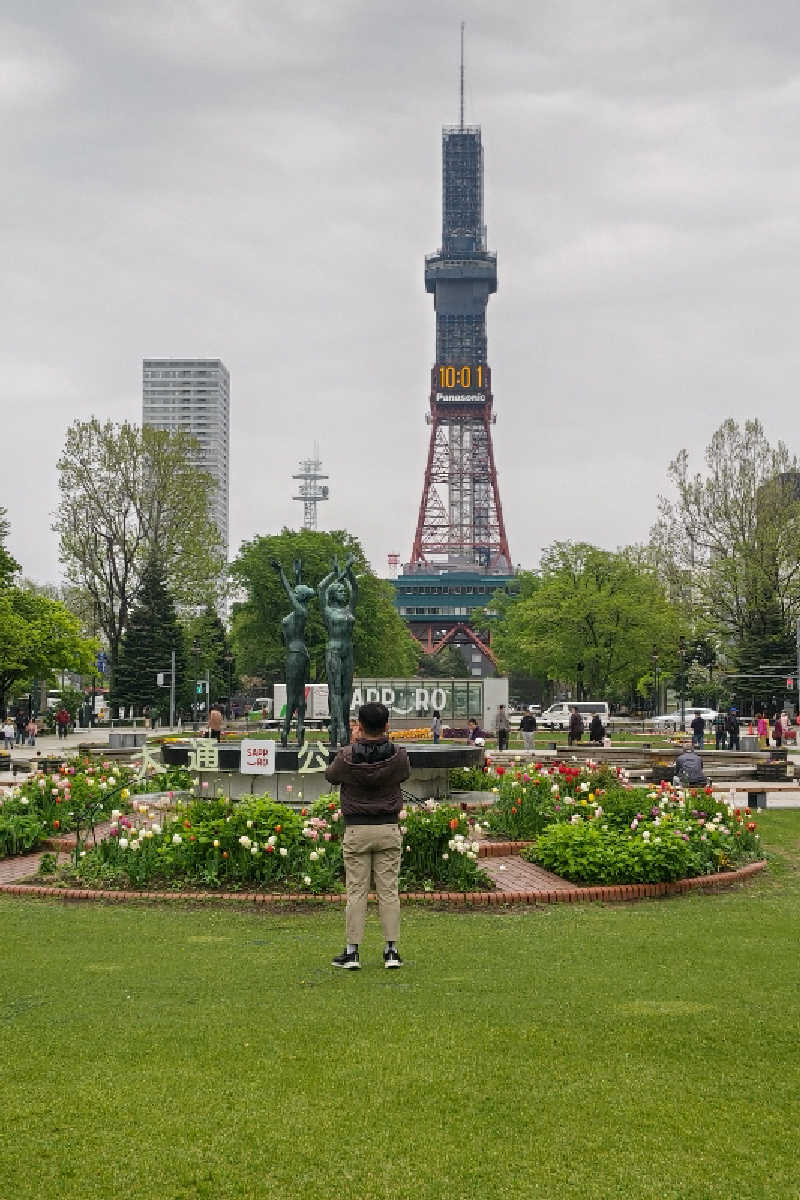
(259, 181)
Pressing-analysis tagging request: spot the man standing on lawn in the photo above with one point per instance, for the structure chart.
(370, 772)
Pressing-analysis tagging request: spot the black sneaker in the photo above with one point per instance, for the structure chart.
(391, 958)
(348, 961)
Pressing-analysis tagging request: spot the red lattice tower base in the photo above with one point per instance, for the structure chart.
(460, 524)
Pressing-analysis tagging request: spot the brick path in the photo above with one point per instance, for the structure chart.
(18, 867)
(513, 874)
(22, 865)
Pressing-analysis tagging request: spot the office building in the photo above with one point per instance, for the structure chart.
(192, 395)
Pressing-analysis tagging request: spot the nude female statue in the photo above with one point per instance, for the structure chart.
(338, 596)
(294, 635)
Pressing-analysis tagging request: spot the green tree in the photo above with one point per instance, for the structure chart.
(38, 637)
(729, 542)
(207, 631)
(152, 633)
(448, 663)
(604, 610)
(8, 564)
(128, 493)
(381, 642)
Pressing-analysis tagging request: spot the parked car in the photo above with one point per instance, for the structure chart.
(674, 718)
(557, 715)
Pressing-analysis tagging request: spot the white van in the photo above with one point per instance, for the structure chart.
(557, 715)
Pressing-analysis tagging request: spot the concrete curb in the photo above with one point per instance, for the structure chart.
(576, 895)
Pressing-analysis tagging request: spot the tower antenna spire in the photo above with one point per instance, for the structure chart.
(461, 109)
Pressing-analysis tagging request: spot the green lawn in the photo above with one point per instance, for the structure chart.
(637, 1051)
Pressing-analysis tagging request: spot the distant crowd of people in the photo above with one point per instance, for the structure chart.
(20, 731)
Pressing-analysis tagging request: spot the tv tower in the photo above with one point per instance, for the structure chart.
(311, 491)
(460, 524)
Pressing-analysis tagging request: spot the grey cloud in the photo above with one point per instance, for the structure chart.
(260, 181)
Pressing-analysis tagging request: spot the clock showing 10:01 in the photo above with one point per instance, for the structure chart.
(468, 377)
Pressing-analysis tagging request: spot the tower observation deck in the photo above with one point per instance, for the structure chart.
(460, 524)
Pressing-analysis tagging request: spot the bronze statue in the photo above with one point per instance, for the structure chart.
(294, 635)
(338, 596)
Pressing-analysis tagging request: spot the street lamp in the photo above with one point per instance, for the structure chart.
(580, 681)
(196, 652)
(682, 652)
(228, 658)
(655, 680)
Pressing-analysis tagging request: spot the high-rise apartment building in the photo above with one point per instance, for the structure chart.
(193, 395)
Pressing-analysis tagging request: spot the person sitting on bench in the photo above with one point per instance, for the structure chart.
(689, 768)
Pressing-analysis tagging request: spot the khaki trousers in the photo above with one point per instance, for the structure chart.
(372, 850)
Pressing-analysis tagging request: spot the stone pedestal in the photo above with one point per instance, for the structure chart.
(298, 786)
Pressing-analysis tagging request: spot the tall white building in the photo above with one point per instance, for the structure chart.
(193, 395)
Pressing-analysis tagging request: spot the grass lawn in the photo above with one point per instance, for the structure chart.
(637, 1051)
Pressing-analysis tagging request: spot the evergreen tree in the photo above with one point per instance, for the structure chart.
(152, 634)
(208, 632)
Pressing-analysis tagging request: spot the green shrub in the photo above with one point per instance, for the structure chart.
(674, 844)
(470, 779)
(19, 832)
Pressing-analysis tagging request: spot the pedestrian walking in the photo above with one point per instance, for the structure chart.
(62, 722)
(21, 722)
(527, 728)
(777, 731)
(370, 772)
(9, 732)
(215, 724)
(436, 726)
(720, 730)
(576, 727)
(501, 727)
(32, 729)
(732, 729)
(762, 729)
(596, 730)
(698, 728)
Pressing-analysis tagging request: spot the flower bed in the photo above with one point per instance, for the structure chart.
(593, 827)
(259, 844)
(82, 792)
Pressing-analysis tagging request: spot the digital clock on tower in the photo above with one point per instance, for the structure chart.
(462, 377)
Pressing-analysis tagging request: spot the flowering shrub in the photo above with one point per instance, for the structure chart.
(439, 851)
(82, 791)
(667, 838)
(528, 798)
(260, 844)
(213, 843)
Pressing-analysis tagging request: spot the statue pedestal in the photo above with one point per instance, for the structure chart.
(299, 777)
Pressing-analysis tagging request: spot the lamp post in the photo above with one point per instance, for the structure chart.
(196, 652)
(228, 659)
(655, 681)
(682, 653)
(580, 681)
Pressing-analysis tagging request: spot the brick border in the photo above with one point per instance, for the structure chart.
(500, 849)
(576, 895)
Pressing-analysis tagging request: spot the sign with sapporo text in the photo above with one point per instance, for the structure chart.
(257, 756)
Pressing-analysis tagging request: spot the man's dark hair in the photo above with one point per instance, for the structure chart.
(373, 717)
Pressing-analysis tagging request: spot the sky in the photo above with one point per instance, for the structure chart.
(259, 181)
